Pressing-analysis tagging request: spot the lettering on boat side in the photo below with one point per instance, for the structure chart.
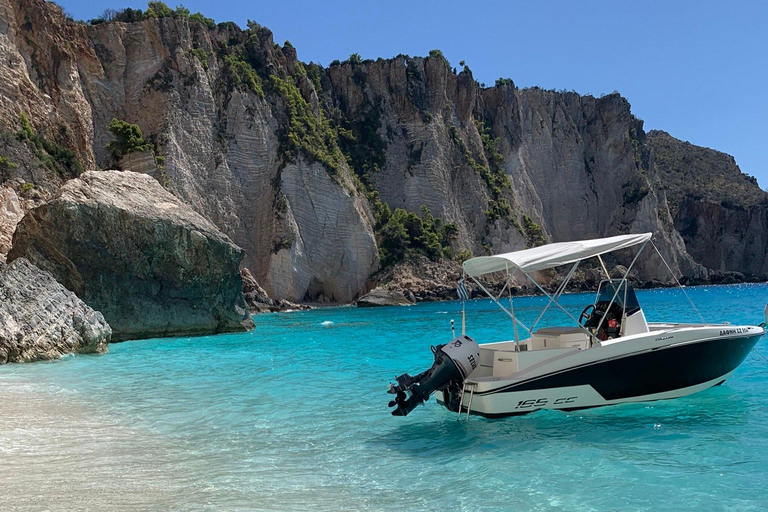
(526, 404)
(663, 338)
(737, 330)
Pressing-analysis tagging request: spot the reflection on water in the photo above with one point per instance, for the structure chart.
(293, 416)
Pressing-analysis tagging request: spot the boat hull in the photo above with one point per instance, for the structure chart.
(651, 373)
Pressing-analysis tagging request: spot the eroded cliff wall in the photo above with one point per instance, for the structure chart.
(721, 213)
(288, 158)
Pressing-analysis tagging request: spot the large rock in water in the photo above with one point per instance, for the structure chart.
(40, 319)
(382, 297)
(135, 252)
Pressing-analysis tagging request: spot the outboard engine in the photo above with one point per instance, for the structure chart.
(454, 362)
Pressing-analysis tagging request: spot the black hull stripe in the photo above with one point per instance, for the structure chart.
(648, 372)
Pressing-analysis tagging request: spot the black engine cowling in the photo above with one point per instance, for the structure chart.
(453, 363)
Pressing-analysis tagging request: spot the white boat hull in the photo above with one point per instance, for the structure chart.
(655, 366)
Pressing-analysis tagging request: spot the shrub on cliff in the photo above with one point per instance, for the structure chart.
(128, 139)
(493, 174)
(239, 74)
(533, 233)
(59, 159)
(405, 232)
(154, 10)
(158, 10)
(308, 132)
(127, 15)
(201, 55)
(437, 54)
(5, 163)
(199, 18)
(355, 59)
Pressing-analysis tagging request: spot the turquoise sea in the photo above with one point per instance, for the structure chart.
(293, 416)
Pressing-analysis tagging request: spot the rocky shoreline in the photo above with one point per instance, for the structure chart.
(112, 256)
(40, 319)
(133, 251)
(417, 279)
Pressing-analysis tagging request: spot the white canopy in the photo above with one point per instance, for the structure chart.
(551, 255)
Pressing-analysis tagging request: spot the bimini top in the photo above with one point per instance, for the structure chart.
(551, 255)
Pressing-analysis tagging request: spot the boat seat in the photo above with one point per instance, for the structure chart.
(559, 331)
(559, 337)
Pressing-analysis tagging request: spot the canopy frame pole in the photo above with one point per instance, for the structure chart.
(624, 308)
(678, 284)
(489, 294)
(558, 293)
(464, 310)
(505, 286)
(605, 269)
(621, 283)
(512, 310)
(558, 304)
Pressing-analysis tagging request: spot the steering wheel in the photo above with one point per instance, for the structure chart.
(586, 313)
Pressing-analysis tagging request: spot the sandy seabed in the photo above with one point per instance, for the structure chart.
(57, 453)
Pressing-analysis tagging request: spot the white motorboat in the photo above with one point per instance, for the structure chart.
(611, 354)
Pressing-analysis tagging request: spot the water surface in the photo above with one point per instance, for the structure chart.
(293, 416)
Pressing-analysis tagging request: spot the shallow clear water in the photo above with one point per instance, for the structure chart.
(293, 416)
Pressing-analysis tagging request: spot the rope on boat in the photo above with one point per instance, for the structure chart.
(678, 283)
(761, 355)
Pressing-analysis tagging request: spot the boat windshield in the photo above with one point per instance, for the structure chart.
(607, 290)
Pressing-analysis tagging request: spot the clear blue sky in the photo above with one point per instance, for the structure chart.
(697, 69)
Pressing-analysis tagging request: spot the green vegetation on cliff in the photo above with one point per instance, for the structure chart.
(161, 10)
(696, 173)
(58, 159)
(5, 163)
(401, 232)
(404, 232)
(201, 55)
(496, 180)
(239, 73)
(128, 139)
(154, 10)
(308, 132)
(533, 233)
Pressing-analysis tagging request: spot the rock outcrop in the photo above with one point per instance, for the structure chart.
(257, 299)
(294, 161)
(135, 252)
(419, 280)
(10, 215)
(40, 319)
(17, 197)
(382, 297)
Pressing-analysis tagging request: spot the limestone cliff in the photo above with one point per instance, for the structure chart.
(721, 213)
(293, 161)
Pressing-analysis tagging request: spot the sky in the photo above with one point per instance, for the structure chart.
(696, 69)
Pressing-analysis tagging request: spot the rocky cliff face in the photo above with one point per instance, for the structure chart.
(721, 213)
(289, 159)
(133, 251)
(40, 319)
